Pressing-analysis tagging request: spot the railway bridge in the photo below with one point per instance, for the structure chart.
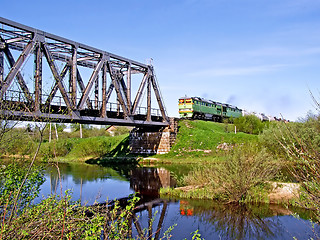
(48, 78)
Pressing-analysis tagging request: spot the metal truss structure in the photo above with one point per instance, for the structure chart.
(72, 97)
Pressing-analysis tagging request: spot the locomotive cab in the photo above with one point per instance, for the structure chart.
(186, 107)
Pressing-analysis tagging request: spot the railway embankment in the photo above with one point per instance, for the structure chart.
(203, 141)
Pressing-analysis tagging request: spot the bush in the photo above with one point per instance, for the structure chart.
(280, 136)
(300, 142)
(245, 167)
(11, 177)
(17, 141)
(95, 147)
(59, 217)
(56, 148)
(249, 124)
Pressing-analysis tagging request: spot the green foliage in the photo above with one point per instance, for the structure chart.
(11, 177)
(249, 124)
(80, 148)
(244, 168)
(76, 126)
(17, 141)
(59, 217)
(196, 235)
(280, 136)
(300, 141)
(54, 217)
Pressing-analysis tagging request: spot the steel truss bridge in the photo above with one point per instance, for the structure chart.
(72, 82)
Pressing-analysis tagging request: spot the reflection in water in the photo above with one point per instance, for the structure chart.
(148, 181)
(263, 221)
(238, 222)
(81, 174)
(214, 220)
(88, 183)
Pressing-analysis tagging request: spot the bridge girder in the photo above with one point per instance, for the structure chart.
(74, 92)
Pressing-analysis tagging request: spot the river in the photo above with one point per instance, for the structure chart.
(94, 183)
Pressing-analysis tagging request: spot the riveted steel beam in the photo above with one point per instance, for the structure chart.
(57, 77)
(55, 87)
(116, 78)
(103, 111)
(38, 77)
(149, 100)
(1, 66)
(96, 93)
(93, 77)
(159, 98)
(73, 76)
(139, 93)
(15, 70)
(82, 88)
(129, 86)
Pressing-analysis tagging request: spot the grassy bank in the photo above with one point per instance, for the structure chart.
(204, 141)
(81, 149)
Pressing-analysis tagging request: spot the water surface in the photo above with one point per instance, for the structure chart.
(93, 183)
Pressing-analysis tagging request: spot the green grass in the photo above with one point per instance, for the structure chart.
(199, 139)
(196, 141)
(81, 148)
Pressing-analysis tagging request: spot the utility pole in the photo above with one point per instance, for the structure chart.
(49, 132)
(80, 131)
(55, 126)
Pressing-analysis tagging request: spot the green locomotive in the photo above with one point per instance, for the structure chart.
(199, 108)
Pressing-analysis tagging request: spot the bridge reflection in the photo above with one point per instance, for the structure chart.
(148, 181)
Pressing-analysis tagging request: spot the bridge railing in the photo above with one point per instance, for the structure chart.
(57, 101)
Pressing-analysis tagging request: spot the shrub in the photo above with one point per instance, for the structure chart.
(17, 141)
(279, 137)
(59, 217)
(249, 124)
(11, 177)
(245, 167)
(301, 144)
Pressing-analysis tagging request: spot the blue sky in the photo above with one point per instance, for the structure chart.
(260, 55)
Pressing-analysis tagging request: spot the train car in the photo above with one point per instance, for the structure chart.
(200, 108)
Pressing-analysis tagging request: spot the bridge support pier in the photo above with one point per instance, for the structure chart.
(152, 141)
